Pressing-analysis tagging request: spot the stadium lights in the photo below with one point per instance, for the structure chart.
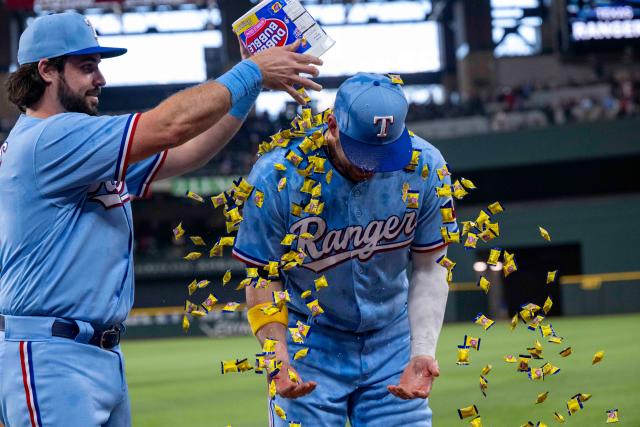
(480, 266)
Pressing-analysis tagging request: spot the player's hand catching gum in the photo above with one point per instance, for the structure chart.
(417, 379)
(288, 382)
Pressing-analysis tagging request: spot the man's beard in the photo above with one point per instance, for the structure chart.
(72, 102)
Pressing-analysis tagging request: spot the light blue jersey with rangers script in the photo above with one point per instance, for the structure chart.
(361, 240)
(66, 240)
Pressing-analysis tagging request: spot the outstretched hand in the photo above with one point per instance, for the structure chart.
(285, 385)
(281, 68)
(417, 379)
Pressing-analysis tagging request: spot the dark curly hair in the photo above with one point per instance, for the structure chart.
(25, 86)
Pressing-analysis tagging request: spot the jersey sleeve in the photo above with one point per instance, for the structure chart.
(77, 150)
(430, 220)
(140, 175)
(262, 228)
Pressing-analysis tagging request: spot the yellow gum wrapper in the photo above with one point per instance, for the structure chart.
(550, 369)
(413, 199)
(584, 396)
(469, 411)
(231, 227)
(444, 191)
(262, 283)
(528, 424)
(542, 397)
(468, 184)
(230, 307)
(280, 167)
(476, 422)
(544, 233)
(558, 417)
(573, 405)
(288, 239)
(463, 355)
(523, 363)
(314, 307)
(424, 173)
(472, 342)
(301, 354)
(442, 172)
(546, 330)
(210, 302)
(198, 241)
(566, 352)
(612, 416)
(551, 276)
(555, 340)
(514, 322)
(269, 345)
(295, 424)
(244, 283)
(192, 256)
(234, 215)
(466, 226)
(329, 176)
(198, 313)
(303, 93)
(307, 185)
(446, 262)
(178, 232)
(192, 287)
(216, 250)
(471, 242)
(296, 209)
(303, 328)
(458, 191)
(306, 294)
(405, 191)
(536, 374)
(482, 218)
(484, 284)
(296, 335)
(185, 323)
(509, 267)
(547, 305)
(395, 79)
(226, 278)
(486, 370)
(320, 283)
(506, 256)
(258, 198)
(194, 196)
(203, 284)
(483, 321)
(252, 272)
(495, 208)
(272, 389)
(293, 376)
(510, 359)
(280, 298)
(272, 268)
(597, 357)
(494, 256)
(306, 172)
(314, 207)
(484, 385)
(243, 365)
(319, 164)
(449, 236)
(294, 158)
(282, 183)
(279, 412)
(228, 366)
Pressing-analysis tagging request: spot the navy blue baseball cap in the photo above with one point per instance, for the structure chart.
(370, 111)
(59, 34)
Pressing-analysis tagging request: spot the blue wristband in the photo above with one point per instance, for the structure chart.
(241, 80)
(240, 110)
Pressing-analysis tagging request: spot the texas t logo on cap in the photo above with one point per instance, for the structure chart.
(370, 110)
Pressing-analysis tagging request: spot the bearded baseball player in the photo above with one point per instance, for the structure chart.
(370, 211)
(66, 179)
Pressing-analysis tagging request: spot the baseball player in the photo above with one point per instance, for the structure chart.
(363, 211)
(66, 179)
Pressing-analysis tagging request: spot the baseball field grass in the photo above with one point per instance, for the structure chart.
(177, 382)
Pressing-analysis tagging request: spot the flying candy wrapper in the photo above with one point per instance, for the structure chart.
(542, 397)
(483, 321)
(463, 355)
(597, 357)
(484, 284)
(194, 196)
(545, 234)
(469, 411)
(612, 416)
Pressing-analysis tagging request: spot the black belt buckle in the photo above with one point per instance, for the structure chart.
(109, 338)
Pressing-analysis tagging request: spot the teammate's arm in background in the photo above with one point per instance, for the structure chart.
(428, 291)
(274, 330)
(191, 112)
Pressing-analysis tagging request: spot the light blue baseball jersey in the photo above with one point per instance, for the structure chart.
(66, 247)
(361, 241)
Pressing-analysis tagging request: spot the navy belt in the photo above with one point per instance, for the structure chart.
(103, 338)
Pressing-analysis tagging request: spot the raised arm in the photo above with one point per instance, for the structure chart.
(191, 112)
